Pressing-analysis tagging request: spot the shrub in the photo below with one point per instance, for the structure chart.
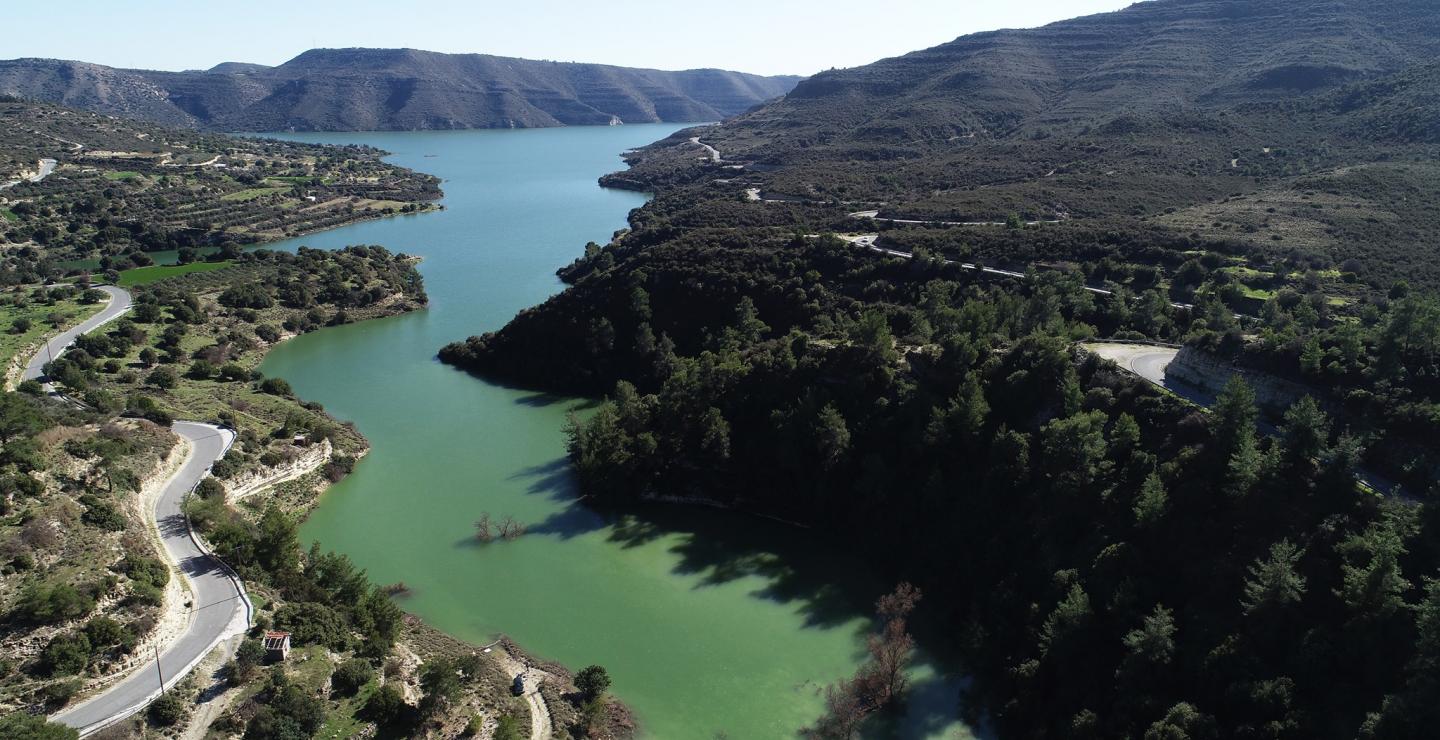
(351, 676)
(101, 514)
(168, 710)
(143, 570)
(103, 632)
(385, 705)
(210, 488)
(231, 371)
(21, 725)
(45, 603)
(65, 655)
(60, 693)
(163, 378)
(276, 387)
(268, 333)
(508, 729)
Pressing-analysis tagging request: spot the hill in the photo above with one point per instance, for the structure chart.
(868, 314)
(392, 89)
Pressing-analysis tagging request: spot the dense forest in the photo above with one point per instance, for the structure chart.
(803, 329)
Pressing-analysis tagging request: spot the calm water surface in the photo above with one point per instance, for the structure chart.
(708, 622)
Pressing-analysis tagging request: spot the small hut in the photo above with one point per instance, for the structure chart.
(277, 646)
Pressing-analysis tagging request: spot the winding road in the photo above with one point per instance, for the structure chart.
(868, 241)
(46, 167)
(218, 606)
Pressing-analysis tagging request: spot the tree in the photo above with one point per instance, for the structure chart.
(1152, 502)
(891, 650)
(1372, 582)
(1182, 722)
(1075, 449)
(277, 544)
(1068, 619)
(872, 334)
(440, 681)
(1153, 643)
(1233, 430)
(832, 436)
(592, 681)
(1274, 581)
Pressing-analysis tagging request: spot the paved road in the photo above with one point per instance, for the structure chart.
(47, 166)
(710, 150)
(218, 607)
(1147, 361)
(874, 215)
(868, 241)
(119, 304)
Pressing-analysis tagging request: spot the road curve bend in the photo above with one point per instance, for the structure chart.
(218, 606)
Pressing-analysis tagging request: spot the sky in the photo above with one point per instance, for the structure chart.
(760, 36)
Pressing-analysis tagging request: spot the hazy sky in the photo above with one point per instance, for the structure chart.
(762, 36)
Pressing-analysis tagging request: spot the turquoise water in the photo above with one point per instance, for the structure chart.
(707, 621)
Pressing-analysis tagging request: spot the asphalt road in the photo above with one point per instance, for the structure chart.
(46, 167)
(217, 608)
(119, 303)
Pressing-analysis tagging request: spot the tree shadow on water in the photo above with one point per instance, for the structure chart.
(553, 478)
(795, 567)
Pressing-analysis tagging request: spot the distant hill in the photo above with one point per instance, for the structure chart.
(1150, 115)
(1067, 77)
(392, 89)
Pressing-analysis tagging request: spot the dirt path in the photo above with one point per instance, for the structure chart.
(712, 151)
(540, 724)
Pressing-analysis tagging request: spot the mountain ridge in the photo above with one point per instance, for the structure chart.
(392, 89)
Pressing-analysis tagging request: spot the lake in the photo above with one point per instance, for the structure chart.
(708, 621)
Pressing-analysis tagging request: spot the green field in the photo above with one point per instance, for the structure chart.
(8, 215)
(45, 319)
(121, 175)
(147, 275)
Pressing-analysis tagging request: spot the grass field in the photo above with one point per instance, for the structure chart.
(147, 275)
(121, 175)
(8, 215)
(45, 320)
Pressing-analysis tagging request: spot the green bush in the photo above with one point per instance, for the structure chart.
(24, 726)
(310, 623)
(101, 514)
(168, 710)
(276, 387)
(385, 705)
(65, 655)
(49, 603)
(349, 677)
(210, 488)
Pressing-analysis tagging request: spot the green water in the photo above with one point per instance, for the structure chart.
(707, 621)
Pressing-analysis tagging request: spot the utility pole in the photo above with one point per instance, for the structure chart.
(158, 670)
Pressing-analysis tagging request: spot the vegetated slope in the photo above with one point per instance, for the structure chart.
(393, 89)
(1169, 104)
(1256, 180)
